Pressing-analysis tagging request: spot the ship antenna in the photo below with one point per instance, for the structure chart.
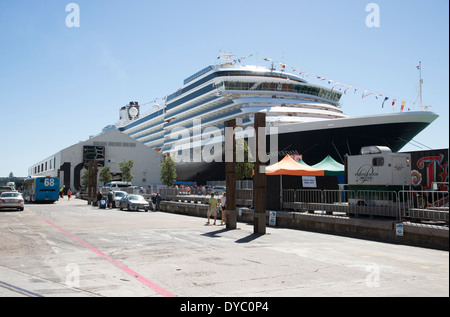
(420, 85)
(225, 58)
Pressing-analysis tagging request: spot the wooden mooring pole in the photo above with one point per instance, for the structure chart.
(230, 175)
(259, 179)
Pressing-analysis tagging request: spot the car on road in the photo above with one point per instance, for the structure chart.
(11, 200)
(134, 202)
(6, 189)
(218, 190)
(117, 196)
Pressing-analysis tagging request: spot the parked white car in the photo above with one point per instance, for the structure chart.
(11, 200)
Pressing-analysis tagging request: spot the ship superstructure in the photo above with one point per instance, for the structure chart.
(309, 117)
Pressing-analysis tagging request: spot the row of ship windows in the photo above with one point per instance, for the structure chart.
(199, 114)
(237, 85)
(295, 88)
(270, 74)
(185, 119)
(147, 127)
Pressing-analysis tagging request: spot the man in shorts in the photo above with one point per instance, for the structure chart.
(212, 209)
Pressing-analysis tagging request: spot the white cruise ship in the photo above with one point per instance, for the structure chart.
(309, 117)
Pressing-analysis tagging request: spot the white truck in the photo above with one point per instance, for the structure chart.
(114, 186)
(121, 186)
(376, 176)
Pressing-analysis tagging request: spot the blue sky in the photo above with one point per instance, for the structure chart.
(59, 85)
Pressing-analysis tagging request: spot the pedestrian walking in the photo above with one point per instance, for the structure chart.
(212, 209)
(223, 201)
(158, 202)
(69, 193)
(154, 202)
(110, 198)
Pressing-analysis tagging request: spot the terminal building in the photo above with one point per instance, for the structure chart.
(109, 149)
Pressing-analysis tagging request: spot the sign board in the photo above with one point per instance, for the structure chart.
(399, 229)
(309, 181)
(93, 153)
(272, 218)
(296, 157)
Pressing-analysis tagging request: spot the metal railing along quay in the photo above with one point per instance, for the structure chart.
(415, 205)
(244, 197)
(411, 205)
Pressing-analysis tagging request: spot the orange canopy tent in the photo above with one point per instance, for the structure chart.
(288, 166)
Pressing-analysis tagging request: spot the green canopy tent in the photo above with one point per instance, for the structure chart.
(331, 167)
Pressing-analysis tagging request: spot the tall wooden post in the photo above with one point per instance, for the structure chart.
(259, 179)
(92, 180)
(94, 177)
(90, 193)
(230, 175)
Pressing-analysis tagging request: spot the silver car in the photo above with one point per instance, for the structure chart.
(134, 202)
(11, 200)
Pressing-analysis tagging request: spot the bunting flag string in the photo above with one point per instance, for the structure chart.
(153, 101)
(366, 93)
(239, 60)
(385, 98)
(393, 103)
(403, 106)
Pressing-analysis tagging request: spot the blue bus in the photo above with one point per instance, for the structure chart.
(41, 189)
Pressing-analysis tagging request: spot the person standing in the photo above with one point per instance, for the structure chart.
(154, 202)
(223, 208)
(110, 198)
(99, 197)
(158, 202)
(212, 210)
(69, 193)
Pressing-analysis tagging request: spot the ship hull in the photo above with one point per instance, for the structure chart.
(337, 138)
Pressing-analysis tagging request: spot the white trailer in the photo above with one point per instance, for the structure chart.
(377, 175)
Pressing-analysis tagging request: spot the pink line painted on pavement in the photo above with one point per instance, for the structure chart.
(121, 266)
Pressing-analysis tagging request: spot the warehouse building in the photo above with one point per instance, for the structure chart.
(109, 149)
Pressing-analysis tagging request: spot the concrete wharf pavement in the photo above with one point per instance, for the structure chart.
(186, 258)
